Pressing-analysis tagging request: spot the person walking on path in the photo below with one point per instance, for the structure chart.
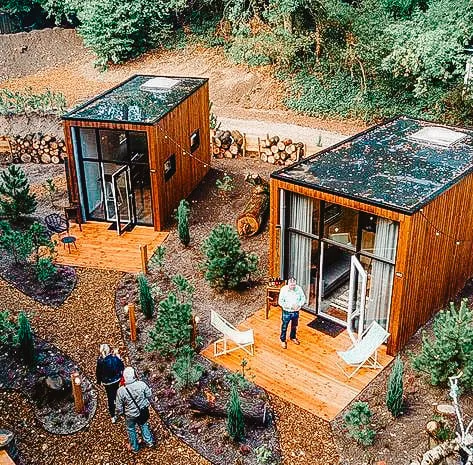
(133, 397)
(291, 299)
(109, 372)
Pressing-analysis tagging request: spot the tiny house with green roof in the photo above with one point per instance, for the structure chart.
(378, 227)
(136, 150)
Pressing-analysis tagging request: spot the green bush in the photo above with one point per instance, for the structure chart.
(264, 455)
(235, 419)
(15, 243)
(7, 329)
(225, 264)
(25, 102)
(15, 197)
(225, 184)
(45, 270)
(185, 289)
(173, 329)
(117, 31)
(156, 262)
(25, 340)
(451, 349)
(357, 421)
(183, 221)
(42, 245)
(185, 370)
(395, 392)
(146, 299)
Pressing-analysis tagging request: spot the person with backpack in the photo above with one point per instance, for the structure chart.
(133, 401)
(109, 372)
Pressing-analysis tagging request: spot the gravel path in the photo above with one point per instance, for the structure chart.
(86, 319)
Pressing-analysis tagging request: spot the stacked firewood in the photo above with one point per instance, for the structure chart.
(280, 151)
(228, 144)
(37, 148)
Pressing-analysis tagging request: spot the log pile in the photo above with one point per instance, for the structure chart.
(228, 144)
(280, 151)
(37, 148)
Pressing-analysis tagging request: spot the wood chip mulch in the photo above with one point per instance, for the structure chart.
(85, 320)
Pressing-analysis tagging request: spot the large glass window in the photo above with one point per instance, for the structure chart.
(88, 143)
(113, 145)
(341, 225)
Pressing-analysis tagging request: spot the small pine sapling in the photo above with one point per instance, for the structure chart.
(395, 392)
(51, 189)
(225, 185)
(17, 244)
(146, 299)
(357, 421)
(7, 329)
(185, 370)
(185, 290)
(25, 340)
(15, 197)
(172, 329)
(156, 262)
(235, 419)
(183, 211)
(45, 270)
(226, 264)
(42, 245)
(264, 455)
(319, 141)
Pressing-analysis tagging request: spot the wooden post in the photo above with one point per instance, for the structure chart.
(144, 258)
(244, 145)
(132, 318)
(77, 392)
(259, 148)
(194, 331)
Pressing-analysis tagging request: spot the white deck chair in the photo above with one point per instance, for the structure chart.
(364, 353)
(243, 339)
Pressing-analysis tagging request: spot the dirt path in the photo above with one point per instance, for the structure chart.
(235, 90)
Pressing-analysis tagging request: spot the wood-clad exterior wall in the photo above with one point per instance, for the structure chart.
(178, 125)
(430, 269)
(436, 267)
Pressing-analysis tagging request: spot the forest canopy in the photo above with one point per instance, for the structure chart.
(367, 59)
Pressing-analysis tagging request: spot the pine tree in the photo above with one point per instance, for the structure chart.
(146, 299)
(451, 349)
(183, 211)
(235, 420)
(25, 340)
(173, 329)
(394, 395)
(15, 196)
(226, 264)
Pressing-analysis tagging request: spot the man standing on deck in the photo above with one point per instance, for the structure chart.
(291, 299)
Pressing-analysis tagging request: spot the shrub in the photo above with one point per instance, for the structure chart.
(19, 103)
(173, 329)
(15, 197)
(7, 329)
(16, 243)
(185, 370)
(225, 263)
(394, 395)
(25, 340)
(156, 262)
(184, 288)
(183, 221)
(42, 245)
(45, 270)
(146, 299)
(117, 31)
(225, 184)
(357, 421)
(235, 420)
(451, 348)
(264, 455)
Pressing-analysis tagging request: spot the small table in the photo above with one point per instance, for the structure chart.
(68, 240)
(272, 297)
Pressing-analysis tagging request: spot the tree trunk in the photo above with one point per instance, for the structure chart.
(249, 222)
(255, 413)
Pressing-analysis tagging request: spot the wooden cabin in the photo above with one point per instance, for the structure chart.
(136, 150)
(378, 227)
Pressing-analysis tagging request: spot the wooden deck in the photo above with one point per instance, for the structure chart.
(306, 375)
(98, 247)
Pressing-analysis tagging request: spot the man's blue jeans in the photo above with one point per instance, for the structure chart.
(133, 437)
(287, 317)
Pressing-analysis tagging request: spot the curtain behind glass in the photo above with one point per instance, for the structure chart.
(382, 274)
(300, 218)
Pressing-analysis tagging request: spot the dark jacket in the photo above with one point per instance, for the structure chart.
(140, 391)
(109, 369)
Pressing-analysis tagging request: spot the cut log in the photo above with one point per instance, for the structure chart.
(264, 157)
(254, 412)
(45, 158)
(216, 150)
(237, 137)
(291, 148)
(228, 154)
(287, 142)
(234, 149)
(274, 149)
(26, 158)
(217, 142)
(281, 145)
(55, 159)
(271, 159)
(249, 222)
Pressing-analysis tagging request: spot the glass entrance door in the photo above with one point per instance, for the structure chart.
(357, 300)
(122, 199)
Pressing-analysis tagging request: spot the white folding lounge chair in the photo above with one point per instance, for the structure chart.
(243, 339)
(364, 353)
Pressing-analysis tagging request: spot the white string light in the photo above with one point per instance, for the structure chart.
(439, 232)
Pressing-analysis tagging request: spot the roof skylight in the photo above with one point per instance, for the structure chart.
(437, 135)
(159, 83)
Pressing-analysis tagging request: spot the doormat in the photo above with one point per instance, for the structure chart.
(326, 326)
